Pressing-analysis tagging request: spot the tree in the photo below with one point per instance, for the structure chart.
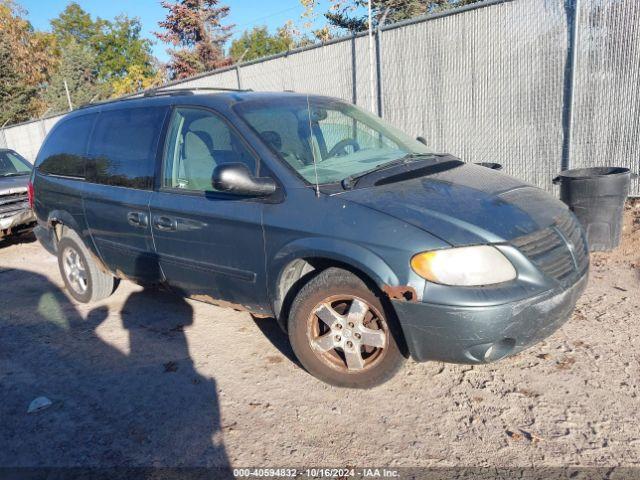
(117, 44)
(16, 96)
(351, 14)
(25, 63)
(120, 48)
(307, 34)
(258, 43)
(74, 24)
(196, 27)
(78, 67)
(136, 80)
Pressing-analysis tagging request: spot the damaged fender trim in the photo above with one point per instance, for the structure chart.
(402, 292)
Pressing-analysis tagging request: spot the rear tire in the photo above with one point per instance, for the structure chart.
(83, 278)
(340, 331)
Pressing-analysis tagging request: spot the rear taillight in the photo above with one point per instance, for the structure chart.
(30, 194)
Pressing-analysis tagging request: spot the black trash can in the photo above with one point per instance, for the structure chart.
(596, 196)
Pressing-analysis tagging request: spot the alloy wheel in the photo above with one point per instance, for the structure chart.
(75, 270)
(348, 333)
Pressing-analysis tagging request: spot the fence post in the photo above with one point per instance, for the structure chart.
(43, 130)
(379, 72)
(572, 9)
(354, 72)
(238, 77)
(4, 135)
(238, 68)
(381, 23)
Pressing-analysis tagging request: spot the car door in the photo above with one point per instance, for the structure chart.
(210, 244)
(120, 170)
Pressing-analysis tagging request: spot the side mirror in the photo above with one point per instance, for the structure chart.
(422, 140)
(235, 178)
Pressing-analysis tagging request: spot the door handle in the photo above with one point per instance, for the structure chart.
(137, 219)
(165, 224)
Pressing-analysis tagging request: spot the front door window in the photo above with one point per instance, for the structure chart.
(198, 142)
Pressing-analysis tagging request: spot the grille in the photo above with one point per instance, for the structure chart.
(572, 231)
(13, 203)
(559, 251)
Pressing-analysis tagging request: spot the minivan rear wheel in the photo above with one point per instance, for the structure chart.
(82, 276)
(339, 331)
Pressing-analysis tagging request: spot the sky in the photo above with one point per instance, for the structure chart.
(244, 14)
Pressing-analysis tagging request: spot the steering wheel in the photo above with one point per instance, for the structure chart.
(340, 148)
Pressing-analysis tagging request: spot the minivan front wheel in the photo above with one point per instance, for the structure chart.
(82, 276)
(340, 333)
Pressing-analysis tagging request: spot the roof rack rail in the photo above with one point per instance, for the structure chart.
(167, 90)
(102, 102)
(154, 92)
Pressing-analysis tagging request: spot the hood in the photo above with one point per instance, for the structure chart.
(466, 205)
(9, 185)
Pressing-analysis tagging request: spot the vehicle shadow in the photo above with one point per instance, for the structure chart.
(26, 237)
(134, 401)
(278, 338)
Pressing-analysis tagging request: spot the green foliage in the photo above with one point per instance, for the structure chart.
(25, 62)
(16, 96)
(196, 27)
(120, 48)
(258, 43)
(351, 14)
(74, 24)
(95, 56)
(78, 66)
(116, 44)
(135, 81)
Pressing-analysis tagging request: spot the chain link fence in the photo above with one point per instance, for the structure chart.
(606, 113)
(532, 84)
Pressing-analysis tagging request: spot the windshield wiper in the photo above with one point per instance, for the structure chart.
(15, 174)
(349, 182)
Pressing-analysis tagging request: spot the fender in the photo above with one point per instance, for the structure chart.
(65, 218)
(342, 251)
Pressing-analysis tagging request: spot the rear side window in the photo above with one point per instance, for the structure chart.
(65, 150)
(123, 147)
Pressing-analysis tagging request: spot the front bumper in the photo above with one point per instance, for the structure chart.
(22, 218)
(484, 334)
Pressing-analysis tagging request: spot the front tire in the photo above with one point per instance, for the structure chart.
(82, 276)
(340, 332)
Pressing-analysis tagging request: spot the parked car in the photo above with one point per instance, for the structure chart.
(16, 215)
(365, 245)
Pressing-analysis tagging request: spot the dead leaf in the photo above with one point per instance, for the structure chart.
(565, 363)
(514, 435)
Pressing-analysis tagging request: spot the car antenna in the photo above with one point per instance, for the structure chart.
(313, 150)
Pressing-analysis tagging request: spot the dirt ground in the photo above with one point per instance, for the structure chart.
(147, 379)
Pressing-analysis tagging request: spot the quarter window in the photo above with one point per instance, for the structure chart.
(123, 147)
(65, 150)
(199, 141)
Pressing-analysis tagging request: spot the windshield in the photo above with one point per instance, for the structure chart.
(343, 140)
(12, 164)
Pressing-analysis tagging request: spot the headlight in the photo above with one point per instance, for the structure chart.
(465, 266)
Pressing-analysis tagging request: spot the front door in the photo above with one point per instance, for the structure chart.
(120, 171)
(210, 244)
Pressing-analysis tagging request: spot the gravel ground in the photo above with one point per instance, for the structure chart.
(147, 379)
